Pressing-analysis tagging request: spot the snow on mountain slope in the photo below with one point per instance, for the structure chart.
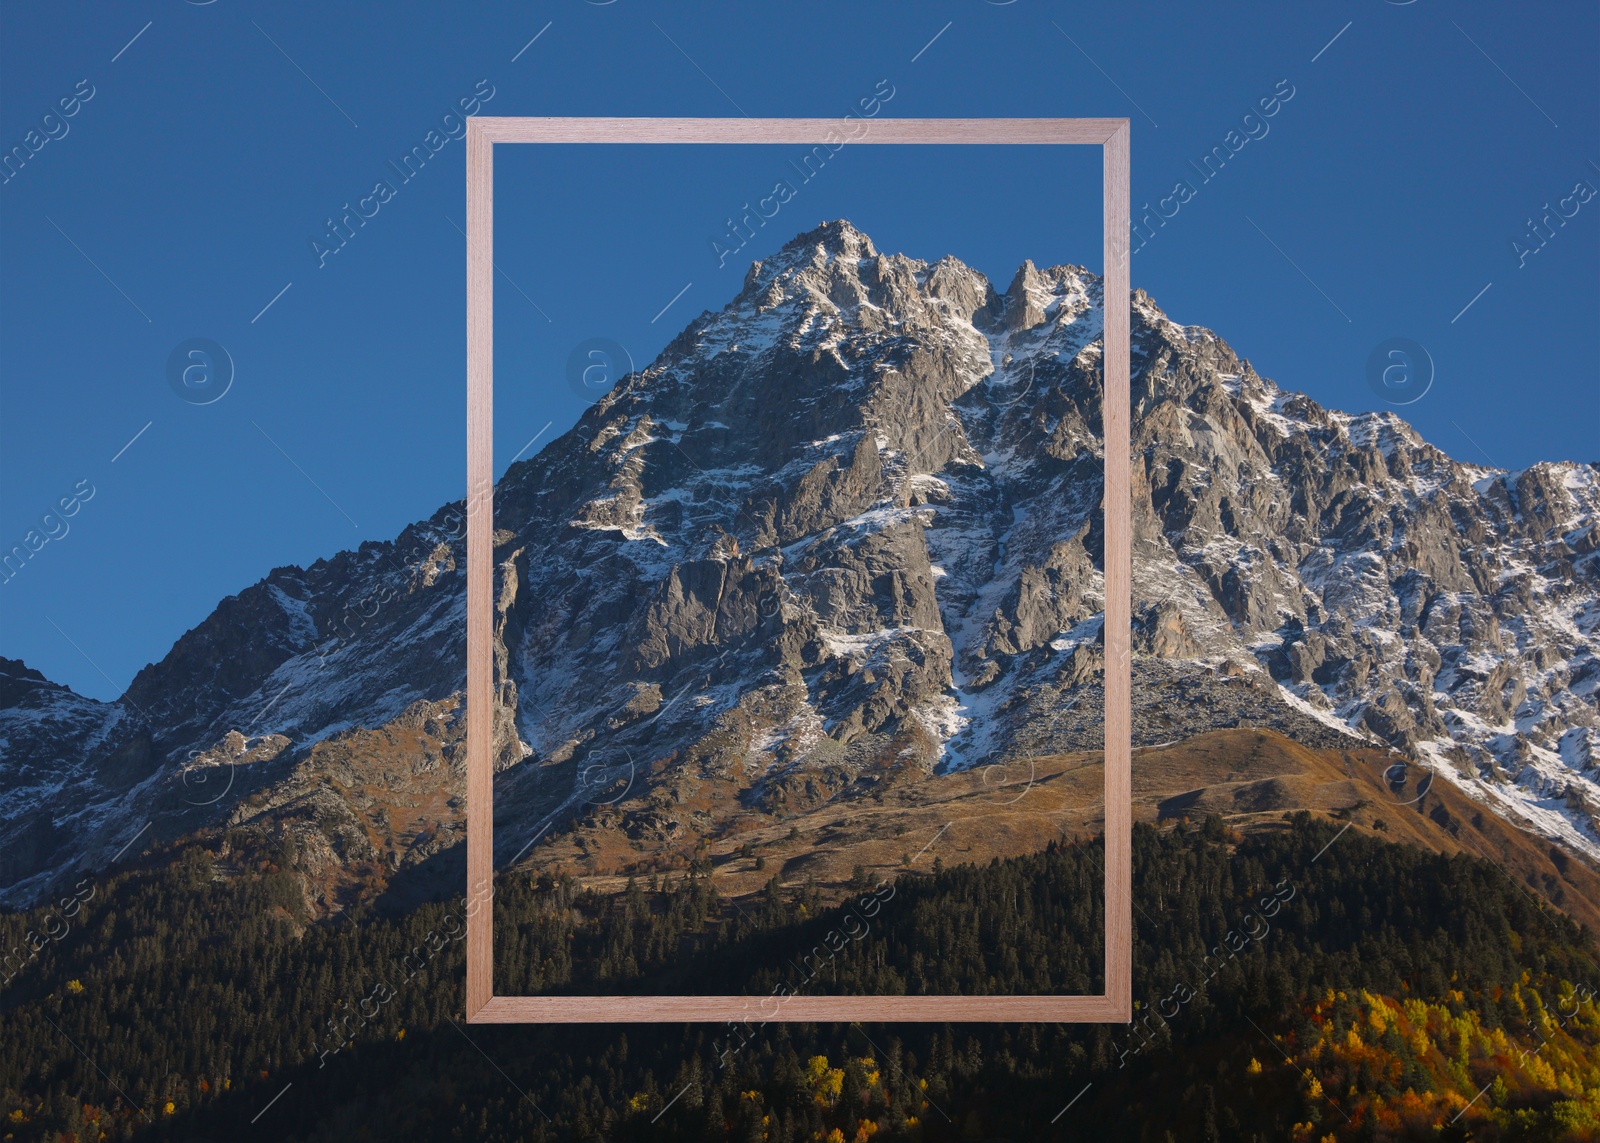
(849, 525)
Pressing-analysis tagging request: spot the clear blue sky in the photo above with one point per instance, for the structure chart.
(183, 196)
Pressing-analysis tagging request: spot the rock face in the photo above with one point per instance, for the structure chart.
(849, 526)
(60, 751)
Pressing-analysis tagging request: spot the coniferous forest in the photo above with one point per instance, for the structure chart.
(1298, 985)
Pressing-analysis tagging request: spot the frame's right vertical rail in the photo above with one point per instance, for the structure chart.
(480, 569)
(1118, 580)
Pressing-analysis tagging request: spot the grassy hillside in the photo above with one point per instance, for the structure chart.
(1248, 777)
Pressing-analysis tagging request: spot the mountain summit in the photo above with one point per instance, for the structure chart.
(846, 531)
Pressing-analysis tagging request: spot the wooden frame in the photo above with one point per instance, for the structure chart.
(1116, 1004)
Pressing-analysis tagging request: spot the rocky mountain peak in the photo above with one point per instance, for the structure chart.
(846, 528)
(836, 271)
(1035, 294)
(19, 682)
(832, 239)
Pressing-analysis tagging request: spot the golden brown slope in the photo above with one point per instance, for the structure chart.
(1251, 778)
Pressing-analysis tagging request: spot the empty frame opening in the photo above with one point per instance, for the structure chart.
(799, 673)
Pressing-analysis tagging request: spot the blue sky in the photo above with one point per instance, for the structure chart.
(182, 197)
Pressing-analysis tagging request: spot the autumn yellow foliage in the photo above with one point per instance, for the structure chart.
(1540, 1080)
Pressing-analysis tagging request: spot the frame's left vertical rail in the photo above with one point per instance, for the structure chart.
(480, 569)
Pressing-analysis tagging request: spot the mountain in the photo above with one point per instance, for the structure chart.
(839, 536)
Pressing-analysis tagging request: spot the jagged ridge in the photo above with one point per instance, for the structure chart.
(846, 526)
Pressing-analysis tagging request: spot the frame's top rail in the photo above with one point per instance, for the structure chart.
(518, 129)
